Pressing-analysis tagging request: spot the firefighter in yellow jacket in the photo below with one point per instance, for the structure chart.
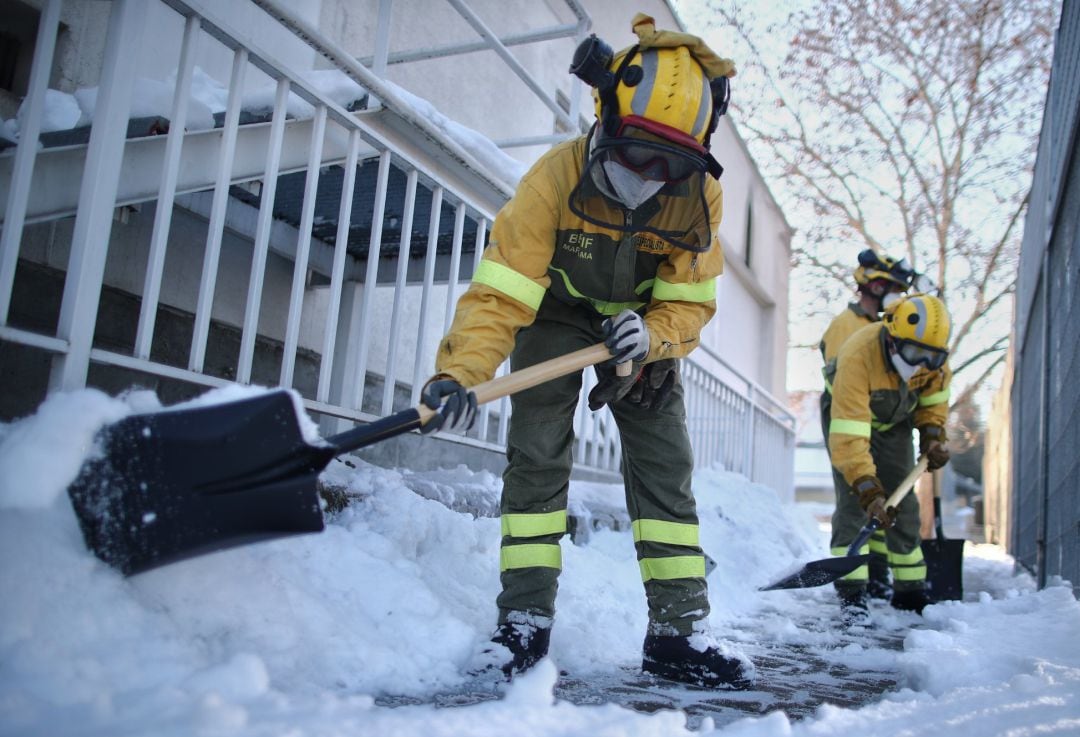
(880, 281)
(610, 237)
(888, 380)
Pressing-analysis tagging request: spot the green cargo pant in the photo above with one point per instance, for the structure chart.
(894, 458)
(657, 466)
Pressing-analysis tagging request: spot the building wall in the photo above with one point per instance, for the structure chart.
(477, 90)
(1045, 508)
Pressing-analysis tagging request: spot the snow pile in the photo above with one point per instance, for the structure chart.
(301, 635)
(207, 97)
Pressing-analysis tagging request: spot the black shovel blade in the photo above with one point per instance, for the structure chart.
(944, 568)
(174, 484)
(820, 572)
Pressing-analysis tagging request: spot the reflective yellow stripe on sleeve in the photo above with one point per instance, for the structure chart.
(678, 566)
(509, 282)
(659, 531)
(850, 427)
(704, 291)
(534, 525)
(936, 398)
(530, 556)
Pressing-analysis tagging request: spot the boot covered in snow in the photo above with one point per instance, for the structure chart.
(911, 601)
(854, 605)
(697, 659)
(514, 648)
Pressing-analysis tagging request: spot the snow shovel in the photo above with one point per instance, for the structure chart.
(944, 560)
(174, 484)
(827, 570)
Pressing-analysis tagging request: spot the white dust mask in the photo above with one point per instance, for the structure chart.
(631, 188)
(890, 299)
(905, 369)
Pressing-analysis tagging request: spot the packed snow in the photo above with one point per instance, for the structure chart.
(207, 97)
(305, 635)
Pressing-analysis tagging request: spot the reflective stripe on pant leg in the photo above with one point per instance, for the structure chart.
(657, 468)
(672, 567)
(530, 556)
(534, 525)
(860, 574)
(908, 567)
(537, 476)
(877, 543)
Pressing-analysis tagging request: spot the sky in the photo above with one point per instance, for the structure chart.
(310, 635)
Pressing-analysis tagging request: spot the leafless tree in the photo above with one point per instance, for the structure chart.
(906, 127)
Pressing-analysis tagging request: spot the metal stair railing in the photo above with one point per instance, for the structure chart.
(366, 313)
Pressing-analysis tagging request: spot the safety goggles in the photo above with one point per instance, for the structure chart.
(917, 354)
(654, 151)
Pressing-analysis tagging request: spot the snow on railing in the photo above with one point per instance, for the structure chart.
(338, 285)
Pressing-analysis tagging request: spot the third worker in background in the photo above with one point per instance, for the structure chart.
(879, 281)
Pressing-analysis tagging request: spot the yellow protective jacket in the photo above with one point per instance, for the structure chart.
(540, 250)
(868, 396)
(842, 327)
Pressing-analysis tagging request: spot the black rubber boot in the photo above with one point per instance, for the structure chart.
(514, 648)
(880, 586)
(677, 659)
(854, 605)
(911, 601)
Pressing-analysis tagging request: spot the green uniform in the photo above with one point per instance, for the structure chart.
(871, 418)
(547, 281)
(657, 463)
(842, 327)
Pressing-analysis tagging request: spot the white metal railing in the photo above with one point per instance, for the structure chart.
(737, 427)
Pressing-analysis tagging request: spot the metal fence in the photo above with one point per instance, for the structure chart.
(1045, 532)
(331, 244)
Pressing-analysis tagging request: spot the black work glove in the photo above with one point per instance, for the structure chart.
(872, 498)
(932, 441)
(610, 387)
(456, 405)
(657, 381)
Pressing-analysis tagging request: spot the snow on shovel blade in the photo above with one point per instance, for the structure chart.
(173, 484)
(819, 573)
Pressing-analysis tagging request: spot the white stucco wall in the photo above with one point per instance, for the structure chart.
(477, 90)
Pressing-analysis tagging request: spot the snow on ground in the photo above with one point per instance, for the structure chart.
(299, 636)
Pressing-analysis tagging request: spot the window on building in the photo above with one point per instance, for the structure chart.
(748, 246)
(17, 37)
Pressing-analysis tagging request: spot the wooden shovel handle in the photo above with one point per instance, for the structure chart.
(526, 378)
(905, 486)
